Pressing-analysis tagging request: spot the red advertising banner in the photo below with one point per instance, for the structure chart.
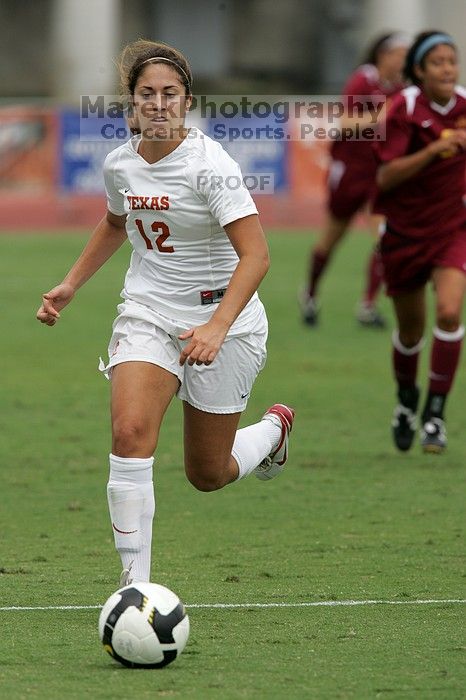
(28, 149)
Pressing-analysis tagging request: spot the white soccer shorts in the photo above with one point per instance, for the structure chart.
(222, 387)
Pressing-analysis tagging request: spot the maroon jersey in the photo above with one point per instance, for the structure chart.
(431, 202)
(364, 81)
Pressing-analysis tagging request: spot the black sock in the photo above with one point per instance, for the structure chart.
(434, 407)
(409, 397)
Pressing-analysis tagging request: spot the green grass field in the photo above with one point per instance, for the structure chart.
(350, 519)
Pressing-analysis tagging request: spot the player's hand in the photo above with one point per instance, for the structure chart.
(451, 142)
(204, 343)
(53, 302)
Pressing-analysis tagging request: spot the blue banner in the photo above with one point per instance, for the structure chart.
(84, 144)
(82, 153)
(258, 146)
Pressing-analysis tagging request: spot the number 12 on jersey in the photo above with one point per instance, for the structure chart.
(159, 239)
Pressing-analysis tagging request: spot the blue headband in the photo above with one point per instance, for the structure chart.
(429, 43)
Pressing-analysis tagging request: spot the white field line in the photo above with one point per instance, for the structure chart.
(312, 604)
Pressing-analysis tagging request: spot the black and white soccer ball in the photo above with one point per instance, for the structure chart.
(144, 625)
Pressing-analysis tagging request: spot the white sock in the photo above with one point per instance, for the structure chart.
(131, 502)
(253, 443)
(396, 342)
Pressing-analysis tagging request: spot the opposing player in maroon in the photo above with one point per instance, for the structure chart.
(422, 182)
(351, 178)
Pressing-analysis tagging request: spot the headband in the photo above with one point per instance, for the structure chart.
(396, 41)
(169, 60)
(430, 43)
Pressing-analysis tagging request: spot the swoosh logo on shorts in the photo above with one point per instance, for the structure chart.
(123, 532)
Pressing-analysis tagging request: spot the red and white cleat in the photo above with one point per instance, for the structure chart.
(283, 417)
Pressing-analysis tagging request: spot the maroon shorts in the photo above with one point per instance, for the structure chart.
(350, 186)
(408, 262)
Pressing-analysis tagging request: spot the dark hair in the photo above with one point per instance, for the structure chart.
(134, 56)
(373, 52)
(408, 70)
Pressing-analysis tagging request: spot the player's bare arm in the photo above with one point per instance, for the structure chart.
(107, 237)
(399, 170)
(248, 240)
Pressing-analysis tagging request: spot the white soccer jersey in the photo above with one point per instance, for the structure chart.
(176, 208)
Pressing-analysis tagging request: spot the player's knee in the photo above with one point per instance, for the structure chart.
(410, 337)
(202, 479)
(448, 317)
(203, 483)
(130, 438)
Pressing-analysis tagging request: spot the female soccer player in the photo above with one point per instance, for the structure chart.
(422, 184)
(191, 323)
(351, 179)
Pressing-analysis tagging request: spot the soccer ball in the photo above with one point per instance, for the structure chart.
(144, 625)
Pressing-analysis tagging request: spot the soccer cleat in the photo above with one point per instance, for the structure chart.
(125, 576)
(369, 316)
(404, 424)
(309, 308)
(404, 421)
(273, 464)
(433, 436)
